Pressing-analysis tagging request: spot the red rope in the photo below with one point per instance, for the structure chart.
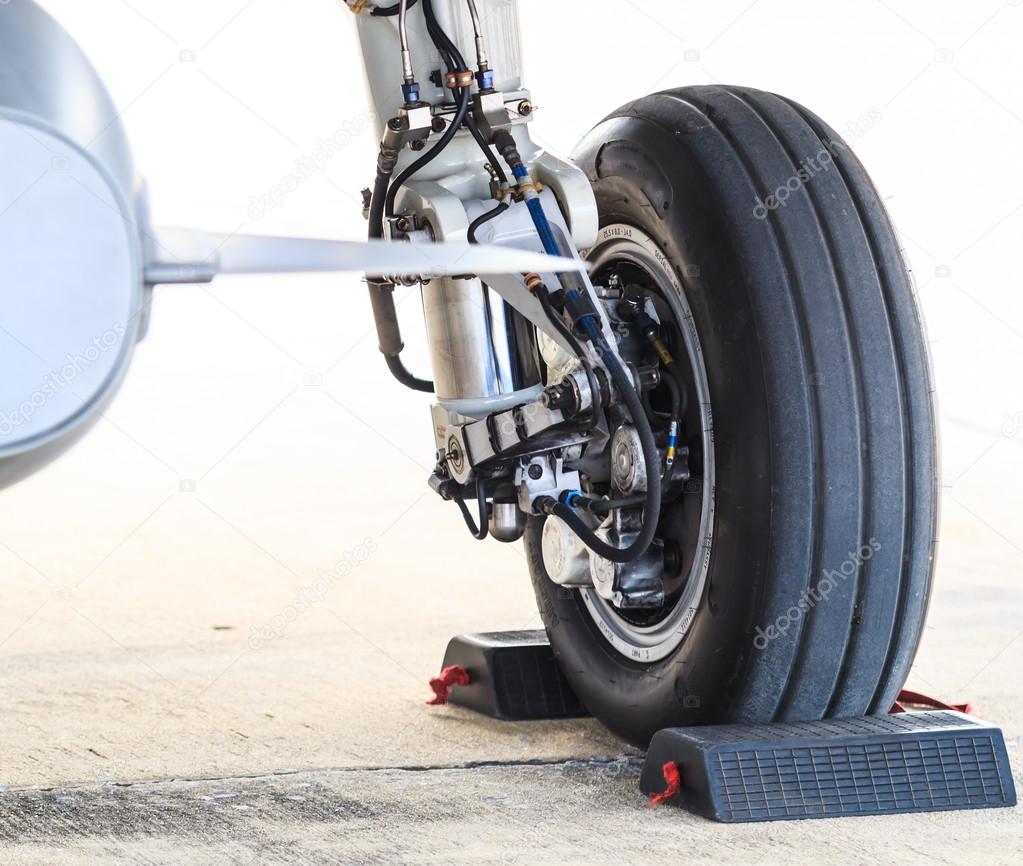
(908, 699)
(673, 780)
(455, 675)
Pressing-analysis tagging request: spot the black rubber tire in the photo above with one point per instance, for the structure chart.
(823, 416)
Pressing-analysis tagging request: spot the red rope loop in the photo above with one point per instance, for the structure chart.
(673, 780)
(455, 675)
(908, 700)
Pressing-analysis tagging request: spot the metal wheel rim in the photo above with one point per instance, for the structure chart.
(625, 243)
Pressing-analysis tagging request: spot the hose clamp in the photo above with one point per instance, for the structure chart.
(459, 79)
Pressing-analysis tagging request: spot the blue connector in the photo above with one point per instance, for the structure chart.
(570, 497)
(410, 92)
(485, 79)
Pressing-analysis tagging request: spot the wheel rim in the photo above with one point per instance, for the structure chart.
(624, 245)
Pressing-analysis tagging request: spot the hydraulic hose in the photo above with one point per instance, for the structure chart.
(432, 153)
(484, 218)
(381, 290)
(454, 61)
(540, 292)
(390, 11)
(487, 152)
(652, 506)
(483, 530)
(622, 381)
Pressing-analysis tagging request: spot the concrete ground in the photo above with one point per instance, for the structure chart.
(567, 812)
(189, 696)
(221, 610)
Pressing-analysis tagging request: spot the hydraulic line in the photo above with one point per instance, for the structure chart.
(432, 153)
(485, 218)
(407, 72)
(587, 318)
(455, 62)
(391, 11)
(673, 424)
(648, 445)
(483, 530)
(440, 38)
(477, 29)
(385, 191)
(482, 142)
(541, 293)
(381, 290)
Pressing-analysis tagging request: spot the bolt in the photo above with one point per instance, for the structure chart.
(535, 471)
(454, 454)
(403, 224)
(438, 124)
(526, 108)
(418, 144)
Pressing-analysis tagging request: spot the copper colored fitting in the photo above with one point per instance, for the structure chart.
(462, 78)
(533, 282)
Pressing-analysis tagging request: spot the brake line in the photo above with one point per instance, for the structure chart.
(586, 316)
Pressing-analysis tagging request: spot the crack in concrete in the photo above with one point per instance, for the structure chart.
(315, 771)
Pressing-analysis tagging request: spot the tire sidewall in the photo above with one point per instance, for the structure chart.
(691, 685)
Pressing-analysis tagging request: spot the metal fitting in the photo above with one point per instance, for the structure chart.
(410, 91)
(459, 79)
(485, 79)
(534, 282)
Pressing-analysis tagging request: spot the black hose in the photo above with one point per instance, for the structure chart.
(405, 377)
(390, 11)
(606, 506)
(445, 46)
(652, 501)
(483, 530)
(487, 152)
(485, 218)
(431, 154)
(543, 297)
(652, 510)
(455, 62)
(381, 291)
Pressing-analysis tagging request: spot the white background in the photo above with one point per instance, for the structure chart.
(259, 437)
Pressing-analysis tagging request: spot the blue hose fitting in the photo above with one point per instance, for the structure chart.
(485, 79)
(410, 92)
(573, 498)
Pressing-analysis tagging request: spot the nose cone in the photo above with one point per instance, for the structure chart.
(71, 292)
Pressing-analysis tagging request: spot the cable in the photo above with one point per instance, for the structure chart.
(481, 532)
(385, 192)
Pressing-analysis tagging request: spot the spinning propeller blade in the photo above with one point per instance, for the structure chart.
(185, 256)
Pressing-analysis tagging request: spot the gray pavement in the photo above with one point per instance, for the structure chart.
(143, 724)
(567, 812)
